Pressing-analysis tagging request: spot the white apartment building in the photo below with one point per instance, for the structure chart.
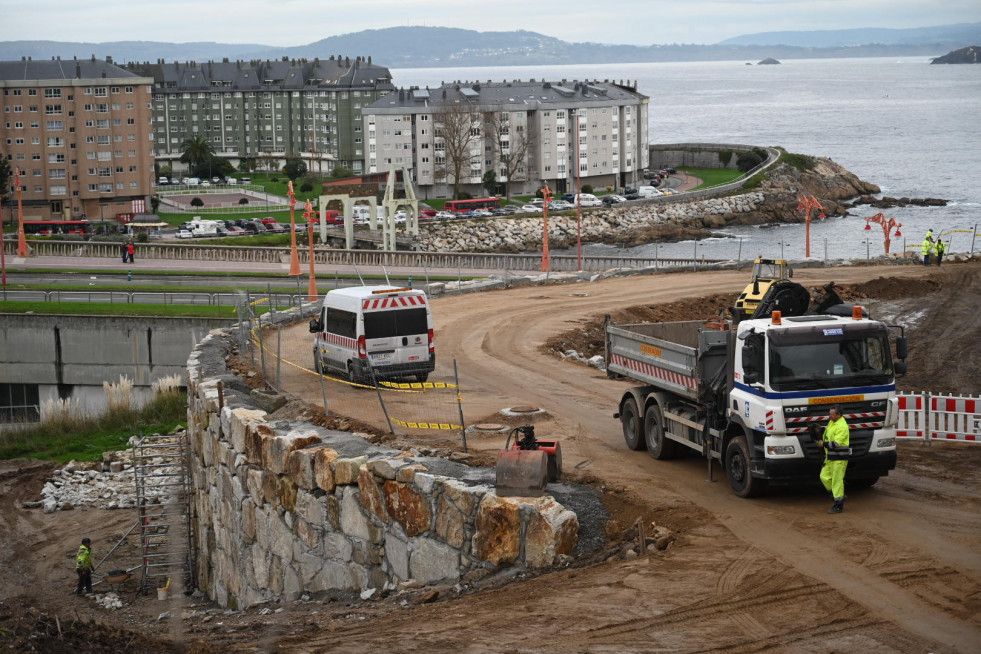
(529, 133)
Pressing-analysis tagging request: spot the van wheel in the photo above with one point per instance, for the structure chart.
(422, 377)
(317, 365)
(351, 376)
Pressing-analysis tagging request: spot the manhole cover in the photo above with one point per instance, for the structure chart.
(524, 408)
(488, 426)
(578, 294)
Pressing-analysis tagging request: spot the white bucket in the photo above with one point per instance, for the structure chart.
(161, 593)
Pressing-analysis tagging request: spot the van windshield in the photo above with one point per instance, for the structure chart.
(400, 322)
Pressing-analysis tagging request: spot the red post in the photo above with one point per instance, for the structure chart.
(308, 213)
(294, 255)
(807, 204)
(22, 250)
(887, 226)
(546, 257)
(3, 248)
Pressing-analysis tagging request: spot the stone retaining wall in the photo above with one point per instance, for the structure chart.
(284, 507)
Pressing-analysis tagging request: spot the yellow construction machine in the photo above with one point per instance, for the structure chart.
(771, 290)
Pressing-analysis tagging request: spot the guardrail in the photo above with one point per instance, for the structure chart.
(368, 258)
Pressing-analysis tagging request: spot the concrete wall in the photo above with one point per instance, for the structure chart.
(78, 353)
(282, 507)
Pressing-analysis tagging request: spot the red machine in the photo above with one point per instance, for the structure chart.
(526, 464)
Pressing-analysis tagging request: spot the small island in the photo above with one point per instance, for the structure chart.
(769, 61)
(969, 55)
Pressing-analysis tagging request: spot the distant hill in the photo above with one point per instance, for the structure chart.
(410, 47)
(944, 35)
(968, 55)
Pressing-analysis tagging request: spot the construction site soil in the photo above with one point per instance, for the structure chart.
(899, 571)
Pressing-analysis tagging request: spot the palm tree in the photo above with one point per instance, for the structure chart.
(197, 151)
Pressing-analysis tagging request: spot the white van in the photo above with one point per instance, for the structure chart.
(587, 200)
(648, 192)
(387, 328)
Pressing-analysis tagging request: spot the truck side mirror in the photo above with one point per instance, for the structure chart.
(900, 367)
(315, 326)
(751, 378)
(902, 348)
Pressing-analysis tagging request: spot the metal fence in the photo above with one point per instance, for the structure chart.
(929, 417)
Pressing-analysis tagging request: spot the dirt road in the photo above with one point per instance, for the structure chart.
(899, 571)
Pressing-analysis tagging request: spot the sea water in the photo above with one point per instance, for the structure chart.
(900, 123)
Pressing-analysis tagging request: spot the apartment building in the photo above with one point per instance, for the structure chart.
(79, 132)
(526, 132)
(265, 110)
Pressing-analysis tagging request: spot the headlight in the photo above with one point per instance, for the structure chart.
(780, 449)
(886, 442)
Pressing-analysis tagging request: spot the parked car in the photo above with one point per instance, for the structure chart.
(612, 199)
(633, 196)
(234, 230)
(163, 181)
(445, 215)
(671, 171)
(223, 231)
(184, 233)
(205, 183)
(560, 205)
(538, 202)
(216, 180)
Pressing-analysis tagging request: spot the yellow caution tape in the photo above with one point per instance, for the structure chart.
(426, 425)
(417, 385)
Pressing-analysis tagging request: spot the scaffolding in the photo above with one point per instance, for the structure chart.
(163, 496)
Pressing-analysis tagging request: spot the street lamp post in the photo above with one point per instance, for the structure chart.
(308, 213)
(22, 250)
(546, 258)
(294, 255)
(807, 204)
(887, 226)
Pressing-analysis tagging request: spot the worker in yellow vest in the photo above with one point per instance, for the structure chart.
(836, 442)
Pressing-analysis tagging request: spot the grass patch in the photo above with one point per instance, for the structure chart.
(712, 176)
(84, 438)
(801, 162)
(122, 309)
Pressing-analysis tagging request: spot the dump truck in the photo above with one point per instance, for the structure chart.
(746, 393)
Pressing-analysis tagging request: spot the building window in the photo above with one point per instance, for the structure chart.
(52, 93)
(58, 190)
(19, 403)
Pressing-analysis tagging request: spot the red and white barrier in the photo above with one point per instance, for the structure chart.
(939, 417)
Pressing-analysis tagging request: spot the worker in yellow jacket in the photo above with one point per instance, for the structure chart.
(927, 247)
(836, 444)
(83, 566)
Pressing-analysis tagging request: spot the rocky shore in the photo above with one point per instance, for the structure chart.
(774, 201)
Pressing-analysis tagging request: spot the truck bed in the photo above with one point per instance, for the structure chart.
(668, 355)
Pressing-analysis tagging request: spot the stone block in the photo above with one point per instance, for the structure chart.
(286, 493)
(397, 555)
(333, 506)
(354, 520)
(466, 498)
(346, 471)
(299, 467)
(498, 528)
(551, 530)
(338, 576)
(424, 482)
(292, 587)
(408, 507)
(248, 521)
(406, 474)
(371, 494)
(311, 569)
(323, 470)
(306, 533)
(268, 401)
(260, 566)
(253, 481)
(431, 561)
(449, 522)
(385, 468)
(270, 488)
(241, 423)
(276, 450)
(336, 546)
(310, 508)
(255, 435)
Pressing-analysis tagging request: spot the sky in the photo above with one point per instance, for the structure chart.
(298, 22)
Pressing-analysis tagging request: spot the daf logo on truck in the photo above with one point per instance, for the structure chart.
(380, 332)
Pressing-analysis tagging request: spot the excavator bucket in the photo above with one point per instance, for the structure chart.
(521, 473)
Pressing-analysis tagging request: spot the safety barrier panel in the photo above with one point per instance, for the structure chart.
(939, 417)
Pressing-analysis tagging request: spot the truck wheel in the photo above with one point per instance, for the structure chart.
(741, 481)
(658, 446)
(630, 418)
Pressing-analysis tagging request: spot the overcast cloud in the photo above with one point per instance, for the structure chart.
(298, 22)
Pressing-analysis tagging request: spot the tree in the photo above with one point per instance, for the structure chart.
(341, 172)
(4, 185)
(247, 164)
(197, 202)
(154, 203)
(489, 182)
(457, 128)
(243, 201)
(750, 159)
(197, 151)
(295, 168)
(512, 144)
